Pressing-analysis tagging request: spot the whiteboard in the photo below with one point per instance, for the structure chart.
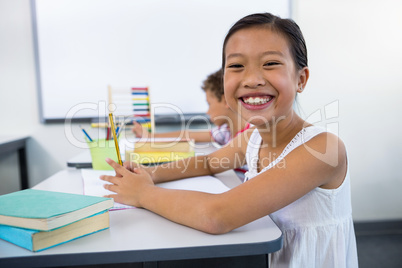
(82, 46)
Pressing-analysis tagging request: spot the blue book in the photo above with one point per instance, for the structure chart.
(46, 210)
(35, 240)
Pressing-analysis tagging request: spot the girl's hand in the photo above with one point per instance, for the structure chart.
(132, 165)
(127, 185)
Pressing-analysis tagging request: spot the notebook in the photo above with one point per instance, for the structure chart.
(46, 210)
(93, 185)
(35, 240)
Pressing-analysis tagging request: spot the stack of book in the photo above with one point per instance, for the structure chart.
(160, 150)
(37, 219)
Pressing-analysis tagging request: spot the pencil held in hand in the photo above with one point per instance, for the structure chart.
(116, 143)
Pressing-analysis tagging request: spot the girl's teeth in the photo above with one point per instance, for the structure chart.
(256, 100)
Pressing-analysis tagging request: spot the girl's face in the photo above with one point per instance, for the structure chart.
(260, 77)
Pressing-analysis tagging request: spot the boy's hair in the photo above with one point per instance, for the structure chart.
(214, 83)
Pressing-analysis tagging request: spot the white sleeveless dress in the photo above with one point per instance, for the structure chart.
(317, 228)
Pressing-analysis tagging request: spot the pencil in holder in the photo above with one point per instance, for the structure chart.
(100, 150)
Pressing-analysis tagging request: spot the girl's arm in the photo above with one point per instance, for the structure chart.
(229, 157)
(268, 192)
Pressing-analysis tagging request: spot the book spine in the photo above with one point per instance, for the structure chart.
(35, 240)
(18, 236)
(73, 239)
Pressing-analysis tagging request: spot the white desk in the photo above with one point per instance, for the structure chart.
(82, 160)
(137, 235)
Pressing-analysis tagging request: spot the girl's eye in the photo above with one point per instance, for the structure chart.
(235, 66)
(271, 63)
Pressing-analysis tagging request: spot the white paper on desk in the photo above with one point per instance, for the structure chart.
(94, 186)
(206, 184)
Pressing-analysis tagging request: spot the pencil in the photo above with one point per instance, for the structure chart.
(116, 143)
(86, 134)
(118, 131)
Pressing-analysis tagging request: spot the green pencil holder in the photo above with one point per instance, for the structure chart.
(100, 150)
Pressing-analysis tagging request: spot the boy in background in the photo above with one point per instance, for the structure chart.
(227, 123)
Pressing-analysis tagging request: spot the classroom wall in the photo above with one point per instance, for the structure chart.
(354, 58)
(48, 148)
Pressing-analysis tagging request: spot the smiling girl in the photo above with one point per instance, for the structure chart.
(298, 173)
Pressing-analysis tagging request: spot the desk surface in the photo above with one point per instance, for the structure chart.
(138, 235)
(82, 160)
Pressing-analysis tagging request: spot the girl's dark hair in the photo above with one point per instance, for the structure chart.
(286, 27)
